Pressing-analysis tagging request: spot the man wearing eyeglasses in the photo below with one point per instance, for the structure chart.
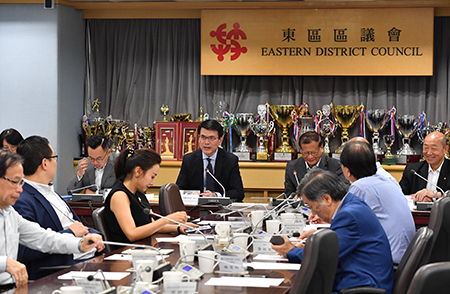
(96, 171)
(39, 203)
(196, 166)
(311, 147)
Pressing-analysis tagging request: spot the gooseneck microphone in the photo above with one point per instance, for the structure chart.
(217, 181)
(426, 180)
(82, 188)
(296, 178)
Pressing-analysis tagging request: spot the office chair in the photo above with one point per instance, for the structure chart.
(319, 264)
(416, 255)
(440, 224)
(431, 278)
(170, 199)
(98, 216)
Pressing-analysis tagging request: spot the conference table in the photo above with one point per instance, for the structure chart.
(51, 282)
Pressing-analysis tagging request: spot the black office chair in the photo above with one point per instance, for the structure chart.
(416, 255)
(170, 199)
(98, 216)
(319, 264)
(431, 278)
(440, 224)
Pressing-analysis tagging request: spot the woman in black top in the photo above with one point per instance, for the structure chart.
(124, 207)
(9, 139)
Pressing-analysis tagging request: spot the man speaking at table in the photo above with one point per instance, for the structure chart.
(311, 147)
(435, 168)
(223, 165)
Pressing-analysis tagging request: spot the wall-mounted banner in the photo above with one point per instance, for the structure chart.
(388, 42)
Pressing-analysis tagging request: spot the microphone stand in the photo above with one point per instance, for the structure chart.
(270, 212)
(217, 181)
(426, 180)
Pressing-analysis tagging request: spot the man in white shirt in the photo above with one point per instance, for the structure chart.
(14, 229)
(435, 168)
(40, 203)
(97, 170)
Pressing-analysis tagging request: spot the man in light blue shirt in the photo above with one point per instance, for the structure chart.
(384, 197)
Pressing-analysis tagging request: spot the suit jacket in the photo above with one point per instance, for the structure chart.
(298, 165)
(411, 183)
(364, 252)
(33, 206)
(108, 179)
(226, 171)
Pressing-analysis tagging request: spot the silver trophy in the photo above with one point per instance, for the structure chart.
(306, 121)
(376, 120)
(242, 126)
(325, 126)
(220, 107)
(261, 129)
(407, 127)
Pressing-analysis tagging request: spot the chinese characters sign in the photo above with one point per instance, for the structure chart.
(389, 42)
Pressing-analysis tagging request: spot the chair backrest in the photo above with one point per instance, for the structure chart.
(98, 216)
(440, 224)
(319, 264)
(416, 255)
(170, 199)
(431, 278)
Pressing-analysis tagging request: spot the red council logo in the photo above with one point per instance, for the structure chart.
(228, 42)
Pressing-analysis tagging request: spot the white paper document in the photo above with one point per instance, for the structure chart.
(270, 257)
(244, 282)
(274, 265)
(162, 251)
(110, 276)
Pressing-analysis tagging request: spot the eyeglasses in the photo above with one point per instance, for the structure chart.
(10, 149)
(55, 157)
(313, 153)
(98, 159)
(15, 183)
(210, 138)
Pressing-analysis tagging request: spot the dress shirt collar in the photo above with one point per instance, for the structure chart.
(339, 206)
(43, 189)
(430, 170)
(213, 157)
(315, 166)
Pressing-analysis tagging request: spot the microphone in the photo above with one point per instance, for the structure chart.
(426, 180)
(82, 188)
(139, 272)
(91, 278)
(217, 181)
(296, 178)
(248, 268)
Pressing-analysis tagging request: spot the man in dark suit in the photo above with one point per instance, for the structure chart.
(39, 203)
(311, 146)
(435, 168)
(97, 170)
(223, 165)
(364, 253)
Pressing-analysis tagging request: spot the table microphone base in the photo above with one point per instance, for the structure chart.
(424, 205)
(218, 200)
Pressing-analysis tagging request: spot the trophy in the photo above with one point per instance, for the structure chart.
(149, 137)
(219, 108)
(165, 110)
(389, 141)
(446, 132)
(261, 129)
(407, 127)
(117, 134)
(180, 117)
(242, 126)
(281, 114)
(306, 120)
(345, 116)
(376, 120)
(325, 126)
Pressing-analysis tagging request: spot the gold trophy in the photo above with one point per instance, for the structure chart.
(165, 110)
(281, 114)
(180, 117)
(345, 116)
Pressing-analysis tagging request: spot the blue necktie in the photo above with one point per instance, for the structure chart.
(209, 181)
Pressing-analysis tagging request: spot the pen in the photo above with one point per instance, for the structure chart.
(254, 276)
